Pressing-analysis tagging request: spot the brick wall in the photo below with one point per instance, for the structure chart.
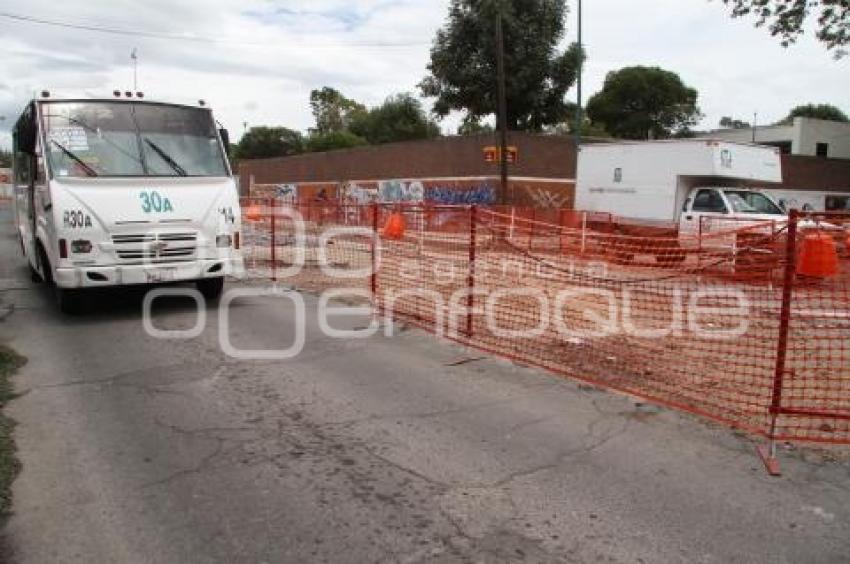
(461, 159)
(813, 173)
(448, 157)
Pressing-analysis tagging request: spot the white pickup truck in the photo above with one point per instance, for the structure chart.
(674, 187)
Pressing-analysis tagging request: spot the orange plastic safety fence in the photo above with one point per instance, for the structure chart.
(746, 322)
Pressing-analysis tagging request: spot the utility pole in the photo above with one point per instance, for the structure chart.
(579, 112)
(503, 108)
(135, 58)
(755, 124)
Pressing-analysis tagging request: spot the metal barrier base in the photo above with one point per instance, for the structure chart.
(767, 453)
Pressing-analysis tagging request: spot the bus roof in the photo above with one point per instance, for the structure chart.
(117, 96)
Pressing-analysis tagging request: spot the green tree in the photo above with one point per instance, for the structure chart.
(399, 118)
(332, 111)
(787, 19)
(5, 158)
(473, 126)
(818, 111)
(644, 103)
(463, 62)
(320, 142)
(730, 123)
(588, 128)
(264, 142)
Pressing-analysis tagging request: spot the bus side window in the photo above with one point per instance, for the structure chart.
(22, 166)
(24, 143)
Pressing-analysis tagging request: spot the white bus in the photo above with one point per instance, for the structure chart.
(122, 190)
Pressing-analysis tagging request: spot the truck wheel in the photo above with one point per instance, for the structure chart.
(211, 288)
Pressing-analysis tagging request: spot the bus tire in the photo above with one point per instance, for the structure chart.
(211, 288)
(34, 275)
(46, 275)
(71, 301)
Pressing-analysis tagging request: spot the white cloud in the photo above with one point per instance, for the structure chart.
(268, 55)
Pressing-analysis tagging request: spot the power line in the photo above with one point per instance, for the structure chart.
(191, 38)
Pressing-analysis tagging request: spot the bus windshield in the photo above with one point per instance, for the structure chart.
(87, 139)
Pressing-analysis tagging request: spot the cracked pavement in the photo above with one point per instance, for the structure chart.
(401, 449)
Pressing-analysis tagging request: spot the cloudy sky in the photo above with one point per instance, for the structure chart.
(256, 61)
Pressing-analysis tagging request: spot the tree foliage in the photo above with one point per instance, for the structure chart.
(473, 126)
(321, 142)
(463, 63)
(5, 158)
(264, 142)
(588, 128)
(341, 123)
(787, 19)
(332, 111)
(817, 111)
(730, 123)
(644, 103)
(399, 118)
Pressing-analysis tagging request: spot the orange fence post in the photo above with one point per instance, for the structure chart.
(273, 241)
(470, 298)
(375, 239)
(768, 452)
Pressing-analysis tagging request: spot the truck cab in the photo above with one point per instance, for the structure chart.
(711, 209)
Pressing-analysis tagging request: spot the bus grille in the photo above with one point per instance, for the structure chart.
(156, 247)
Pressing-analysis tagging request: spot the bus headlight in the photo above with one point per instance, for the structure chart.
(223, 241)
(81, 246)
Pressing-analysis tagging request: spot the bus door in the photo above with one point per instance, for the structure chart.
(25, 141)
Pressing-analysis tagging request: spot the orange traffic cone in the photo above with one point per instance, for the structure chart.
(818, 256)
(253, 213)
(395, 227)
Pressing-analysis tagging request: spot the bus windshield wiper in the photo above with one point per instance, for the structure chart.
(71, 155)
(171, 162)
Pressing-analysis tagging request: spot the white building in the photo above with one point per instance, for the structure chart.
(806, 136)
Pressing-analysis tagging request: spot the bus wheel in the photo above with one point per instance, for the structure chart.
(71, 301)
(34, 275)
(46, 274)
(211, 288)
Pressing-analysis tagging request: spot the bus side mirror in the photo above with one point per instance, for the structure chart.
(225, 138)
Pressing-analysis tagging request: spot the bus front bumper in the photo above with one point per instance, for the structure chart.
(124, 275)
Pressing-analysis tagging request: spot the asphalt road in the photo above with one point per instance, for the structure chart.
(400, 449)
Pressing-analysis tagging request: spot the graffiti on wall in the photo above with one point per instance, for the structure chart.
(415, 191)
(547, 198)
(479, 195)
(401, 191)
(356, 194)
(286, 191)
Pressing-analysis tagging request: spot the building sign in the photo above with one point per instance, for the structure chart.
(491, 154)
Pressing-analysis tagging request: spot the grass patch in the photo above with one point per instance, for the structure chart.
(10, 361)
